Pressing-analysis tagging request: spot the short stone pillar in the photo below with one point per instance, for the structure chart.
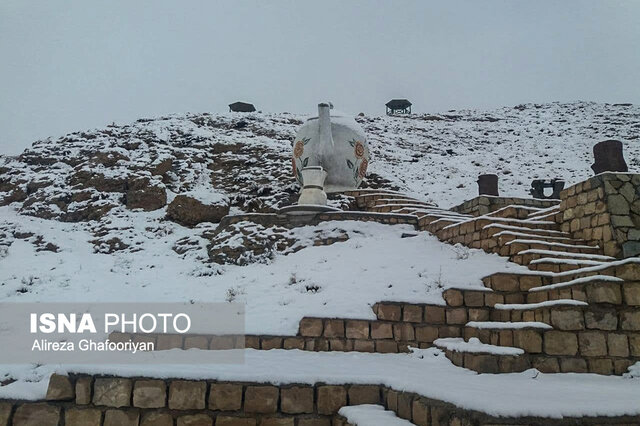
(608, 157)
(313, 186)
(488, 184)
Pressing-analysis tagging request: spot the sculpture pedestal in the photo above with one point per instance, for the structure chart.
(312, 199)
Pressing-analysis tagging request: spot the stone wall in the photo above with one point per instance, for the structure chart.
(116, 401)
(485, 204)
(291, 221)
(398, 326)
(605, 210)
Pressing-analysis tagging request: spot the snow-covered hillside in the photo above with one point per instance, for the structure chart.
(84, 216)
(435, 157)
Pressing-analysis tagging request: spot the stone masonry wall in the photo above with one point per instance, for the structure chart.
(115, 401)
(485, 204)
(605, 210)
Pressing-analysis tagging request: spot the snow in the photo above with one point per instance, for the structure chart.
(580, 280)
(371, 415)
(549, 243)
(545, 304)
(524, 234)
(560, 261)
(457, 344)
(597, 267)
(523, 228)
(566, 254)
(426, 372)
(341, 280)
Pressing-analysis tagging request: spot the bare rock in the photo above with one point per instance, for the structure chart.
(188, 211)
(148, 198)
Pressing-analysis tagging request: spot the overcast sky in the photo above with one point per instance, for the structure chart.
(72, 65)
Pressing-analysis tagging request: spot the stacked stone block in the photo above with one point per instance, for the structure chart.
(485, 204)
(605, 210)
(153, 402)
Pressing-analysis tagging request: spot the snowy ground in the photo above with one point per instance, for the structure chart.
(427, 372)
(341, 280)
(439, 157)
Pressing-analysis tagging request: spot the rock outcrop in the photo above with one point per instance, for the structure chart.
(189, 211)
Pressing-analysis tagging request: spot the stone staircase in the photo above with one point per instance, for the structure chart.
(577, 311)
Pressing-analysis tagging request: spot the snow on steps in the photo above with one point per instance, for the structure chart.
(553, 264)
(544, 213)
(525, 257)
(536, 236)
(567, 254)
(371, 415)
(547, 304)
(517, 246)
(494, 228)
(458, 344)
(482, 357)
(514, 211)
(483, 221)
(581, 280)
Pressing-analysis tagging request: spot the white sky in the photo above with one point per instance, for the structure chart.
(72, 65)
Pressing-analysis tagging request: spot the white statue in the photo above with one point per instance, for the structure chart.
(337, 144)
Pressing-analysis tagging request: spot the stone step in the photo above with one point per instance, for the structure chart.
(527, 336)
(402, 201)
(369, 199)
(604, 352)
(554, 216)
(527, 256)
(436, 222)
(554, 264)
(544, 213)
(540, 312)
(507, 236)
(549, 225)
(386, 208)
(518, 246)
(471, 307)
(592, 289)
(423, 211)
(514, 211)
(487, 359)
(483, 358)
(483, 222)
(570, 315)
(496, 228)
(430, 214)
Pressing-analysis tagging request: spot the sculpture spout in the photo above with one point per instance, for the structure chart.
(324, 130)
(335, 142)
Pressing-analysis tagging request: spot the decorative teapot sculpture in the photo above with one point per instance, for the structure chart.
(337, 144)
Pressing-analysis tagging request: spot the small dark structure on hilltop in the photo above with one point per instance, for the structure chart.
(241, 107)
(398, 106)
